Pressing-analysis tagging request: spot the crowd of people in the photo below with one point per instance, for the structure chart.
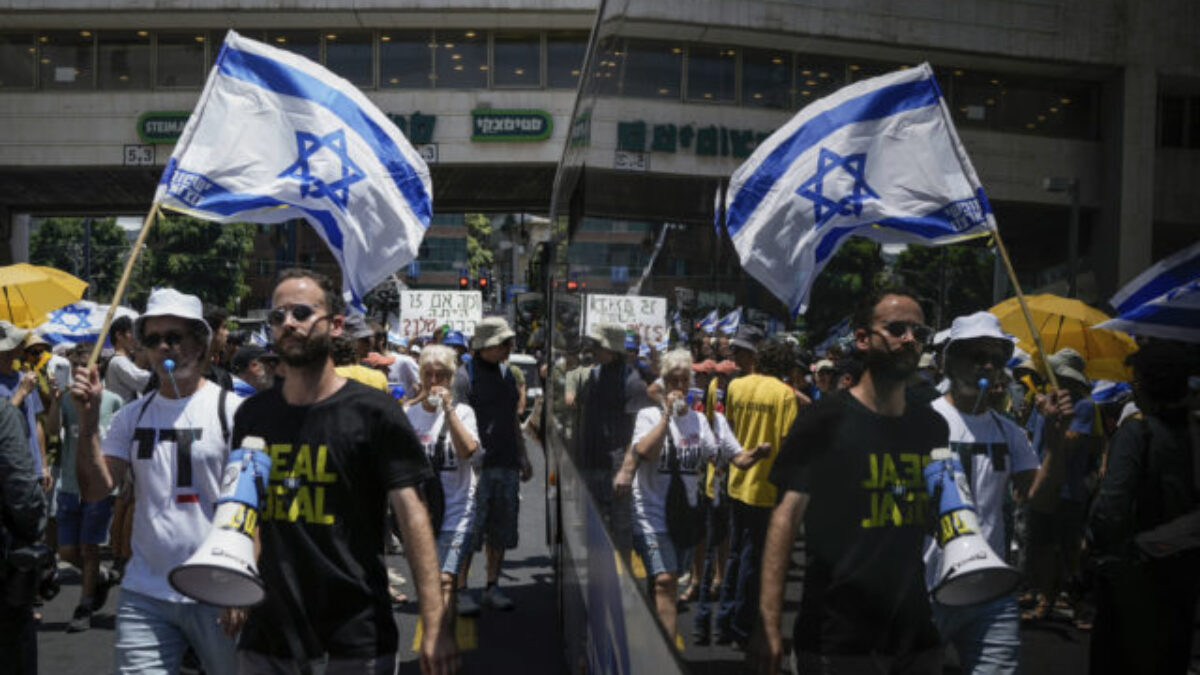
(707, 462)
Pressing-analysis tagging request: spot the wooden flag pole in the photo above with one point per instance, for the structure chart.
(1012, 276)
(120, 292)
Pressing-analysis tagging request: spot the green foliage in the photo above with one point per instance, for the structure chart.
(195, 256)
(853, 272)
(60, 243)
(968, 282)
(479, 242)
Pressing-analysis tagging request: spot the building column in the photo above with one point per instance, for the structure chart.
(1135, 228)
(18, 236)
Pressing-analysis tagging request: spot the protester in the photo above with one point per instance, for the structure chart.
(994, 451)
(125, 375)
(218, 368)
(488, 386)
(345, 357)
(826, 378)
(20, 388)
(864, 607)
(22, 524)
(341, 453)
(185, 417)
(672, 443)
(760, 409)
(448, 433)
(1148, 585)
(253, 370)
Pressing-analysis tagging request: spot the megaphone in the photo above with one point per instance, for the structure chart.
(223, 572)
(970, 573)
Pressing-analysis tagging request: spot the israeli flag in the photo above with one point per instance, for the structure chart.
(261, 337)
(677, 321)
(730, 322)
(277, 137)
(834, 336)
(78, 322)
(708, 325)
(879, 159)
(1163, 301)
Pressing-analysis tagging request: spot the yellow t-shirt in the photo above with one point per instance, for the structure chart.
(368, 376)
(760, 409)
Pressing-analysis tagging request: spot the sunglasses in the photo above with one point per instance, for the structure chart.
(299, 312)
(899, 329)
(982, 356)
(153, 340)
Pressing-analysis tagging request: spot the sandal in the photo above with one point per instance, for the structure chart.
(689, 594)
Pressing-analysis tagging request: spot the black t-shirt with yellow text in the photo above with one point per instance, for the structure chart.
(864, 587)
(323, 519)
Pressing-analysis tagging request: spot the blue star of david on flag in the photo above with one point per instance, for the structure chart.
(824, 207)
(307, 145)
(71, 317)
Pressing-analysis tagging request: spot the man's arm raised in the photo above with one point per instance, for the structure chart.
(94, 471)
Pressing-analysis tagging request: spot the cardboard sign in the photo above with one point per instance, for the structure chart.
(421, 312)
(643, 315)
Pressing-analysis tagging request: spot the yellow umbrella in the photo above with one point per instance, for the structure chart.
(1066, 322)
(29, 292)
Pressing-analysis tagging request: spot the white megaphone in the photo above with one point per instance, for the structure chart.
(970, 573)
(222, 572)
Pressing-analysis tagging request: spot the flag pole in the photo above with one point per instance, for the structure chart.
(112, 307)
(1012, 276)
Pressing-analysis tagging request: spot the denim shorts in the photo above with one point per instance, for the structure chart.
(82, 522)
(657, 552)
(452, 550)
(498, 506)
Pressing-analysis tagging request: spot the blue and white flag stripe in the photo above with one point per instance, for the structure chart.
(78, 322)
(276, 137)
(709, 323)
(729, 323)
(1174, 315)
(1165, 275)
(879, 158)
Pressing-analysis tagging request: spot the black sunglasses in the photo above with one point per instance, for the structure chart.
(299, 312)
(981, 356)
(898, 329)
(172, 338)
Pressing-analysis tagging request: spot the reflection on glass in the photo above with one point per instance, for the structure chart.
(462, 60)
(650, 69)
(766, 78)
(306, 43)
(606, 67)
(405, 59)
(181, 59)
(817, 76)
(349, 55)
(125, 60)
(517, 60)
(17, 56)
(712, 73)
(564, 59)
(65, 61)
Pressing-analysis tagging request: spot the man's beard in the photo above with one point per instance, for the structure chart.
(893, 366)
(311, 350)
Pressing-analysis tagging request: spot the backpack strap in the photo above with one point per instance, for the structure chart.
(439, 446)
(221, 414)
(146, 404)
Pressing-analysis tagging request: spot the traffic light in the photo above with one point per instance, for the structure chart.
(463, 283)
(572, 286)
(485, 287)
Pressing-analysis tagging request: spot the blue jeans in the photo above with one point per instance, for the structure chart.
(716, 529)
(497, 508)
(153, 634)
(658, 553)
(986, 637)
(737, 612)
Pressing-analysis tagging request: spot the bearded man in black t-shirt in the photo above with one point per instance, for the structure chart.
(341, 452)
(851, 471)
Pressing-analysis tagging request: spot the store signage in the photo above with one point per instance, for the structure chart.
(421, 312)
(510, 126)
(161, 126)
(646, 316)
(637, 136)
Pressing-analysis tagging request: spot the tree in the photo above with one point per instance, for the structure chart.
(61, 243)
(479, 242)
(968, 278)
(196, 256)
(851, 274)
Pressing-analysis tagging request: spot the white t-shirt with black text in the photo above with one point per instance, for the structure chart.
(695, 443)
(177, 451)
(458, 477)
(991, 448)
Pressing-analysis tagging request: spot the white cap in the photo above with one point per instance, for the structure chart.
(170, 302)
(978, 326)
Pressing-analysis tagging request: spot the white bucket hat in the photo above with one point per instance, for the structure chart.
(11, 337)
(611, 336)
(170, 302)
(490, 332)
(978, 326)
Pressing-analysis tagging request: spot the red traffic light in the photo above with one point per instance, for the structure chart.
(572, 286)
(464, 282)
(483, 282)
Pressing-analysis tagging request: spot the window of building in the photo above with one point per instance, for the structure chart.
(973, 97)
(405, 59)
(564, 59)
(712, 73)
(125, 59)
(817, 76)
(861, 69)
(306, 43)
(650, 69)
(18, 53)
(606, 71)
(766, 78)
(517, 60)
(461, 59)
(351, 55)
(66, 59)
(1046, 107)
(181, 59)
(1179, 121)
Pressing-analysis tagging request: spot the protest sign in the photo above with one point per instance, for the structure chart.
(421, 312)
(643, 315)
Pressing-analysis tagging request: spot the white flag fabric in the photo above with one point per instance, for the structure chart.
(78, 322)
(729, 323)
(277, 137)
(879, 158)
(1163, 301)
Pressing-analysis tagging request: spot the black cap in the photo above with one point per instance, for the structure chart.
(244, 355)
(748, 336)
